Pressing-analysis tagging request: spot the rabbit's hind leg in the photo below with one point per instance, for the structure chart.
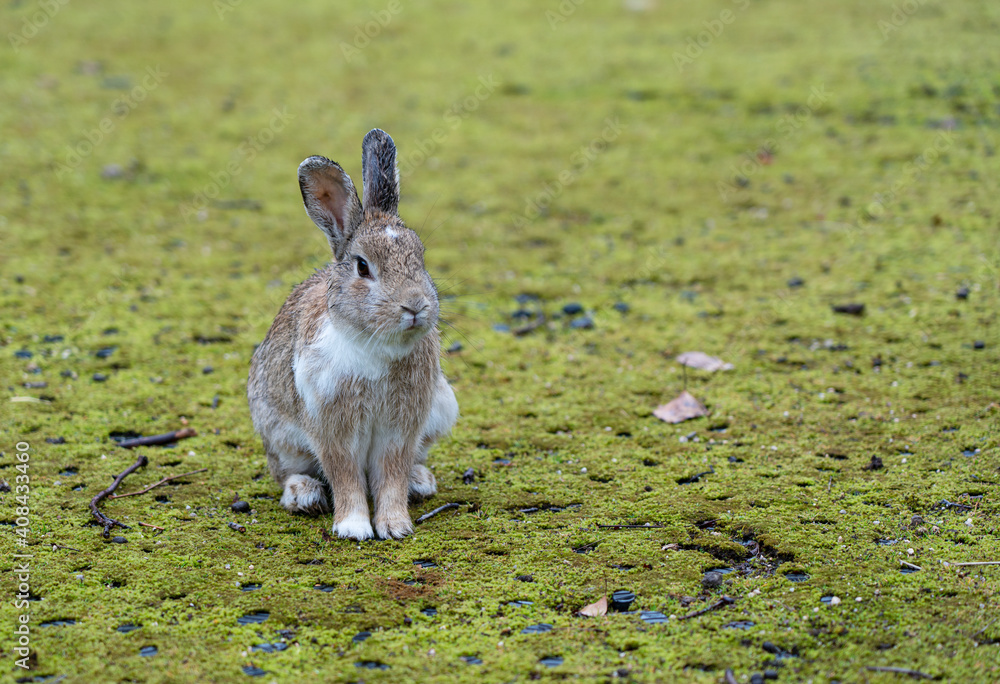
(444, 413)
(297, 470)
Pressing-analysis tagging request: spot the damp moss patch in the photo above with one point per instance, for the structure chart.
(583, 176)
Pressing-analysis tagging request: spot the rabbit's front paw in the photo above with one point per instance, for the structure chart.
(304, 494)
(354, 526)
(422, 482)
(393, 525)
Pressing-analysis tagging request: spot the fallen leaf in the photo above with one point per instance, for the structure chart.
(703, 361)
(596, 609)
(670, 547)
(684, 407)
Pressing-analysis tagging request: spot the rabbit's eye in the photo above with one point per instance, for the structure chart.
(363, 268)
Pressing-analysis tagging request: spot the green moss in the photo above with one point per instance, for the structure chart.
(880, 190)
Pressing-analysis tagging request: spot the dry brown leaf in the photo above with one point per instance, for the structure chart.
(670, 547)
(684, 407)
(596, 609)
(703, 361)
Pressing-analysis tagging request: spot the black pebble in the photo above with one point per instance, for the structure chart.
(582, 323)
(874, 464)
(52, 338)
(979, 344)
(23, 354)
(207, 369)
(756, 678)
(621, 600)
(501, 328)
(241, 507)
(525, 578)
(962, 293)
(100, 377)
(522, 314)
(105, 352)
(572, 309)
(850, 309)
(55, 440)
(711, 579)
(67, 374)
(796, 282)
(770, 674)
(469, 476)
(119, 540)
(455, 347)
(622, 307)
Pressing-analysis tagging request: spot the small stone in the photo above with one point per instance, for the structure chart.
(916, 521)
(756, 678)
(105, 352)
(119, 540)
(112, 171)
(962, 293)
(207, 370)
(455, 348)
(572, 309)
(796, 282)
(100, 377)
(582, 323)
(240, 507)
(979, 344)
(622, 307)
(621, 600)
(525, 578)
(469, 476)
(770, 674)
(23, 354)
(711, 579)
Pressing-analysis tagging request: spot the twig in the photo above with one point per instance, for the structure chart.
(56, 547)
(952, 504)
(900, 670)
(439, 509)
(910, 565)
(984, 628)
(538, 322)
(162, 529)
(724, 601)
(730, 677)
(630, 527)
(958, 565)
(154, 440)
(104, 520)
(157, 484)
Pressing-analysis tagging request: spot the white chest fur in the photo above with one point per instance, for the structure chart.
(335, 356)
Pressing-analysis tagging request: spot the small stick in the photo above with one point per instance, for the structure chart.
(630, 527)
(724, 601)
(910, 565)
(56, 547)
(984, 628)
(154, 440)
(157, 484)
(730, 677)
(439, 509)
(162, 529)
(958, 565)
(900, 670)
(538, 322)
(104, 520)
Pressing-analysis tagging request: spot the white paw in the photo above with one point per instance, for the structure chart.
(422, 482)
(354, 526)
(394, 526)
(304, 494)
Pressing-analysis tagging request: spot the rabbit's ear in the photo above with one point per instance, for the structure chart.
(378, 168)
(331, 201)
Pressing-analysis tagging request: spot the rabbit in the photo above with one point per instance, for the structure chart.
(347, 385)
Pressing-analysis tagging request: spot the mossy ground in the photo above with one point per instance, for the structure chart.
(878, 185)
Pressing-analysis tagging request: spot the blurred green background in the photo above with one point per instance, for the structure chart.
(696, 175)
